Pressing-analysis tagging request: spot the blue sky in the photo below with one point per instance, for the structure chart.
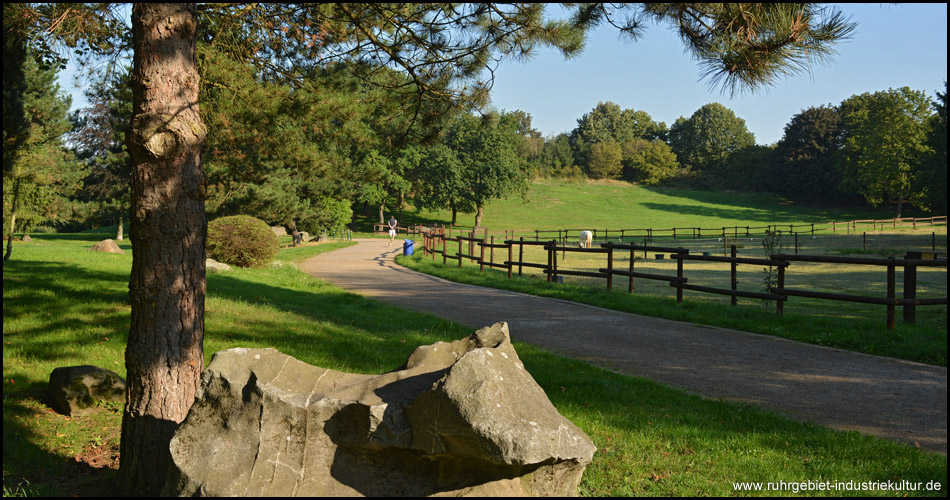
(893, 46)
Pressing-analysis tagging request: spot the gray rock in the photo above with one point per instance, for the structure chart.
(213, 266)
(107, 245)
(75, 390)
(26, 239)
(304, 236)
(459, 418)
(279, 230)
(323, 238)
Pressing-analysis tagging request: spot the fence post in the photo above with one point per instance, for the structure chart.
(733, 265)
(481, 257)
(553, 273)
(864, 235)
(610, 266)
(444, 243)
(891, 293)
(780, 304)
(910, 288)
(520, 253)
(460, 250)
(510, 251)
(551, 252)
(796, 243)
(630, 280)
(679, 272)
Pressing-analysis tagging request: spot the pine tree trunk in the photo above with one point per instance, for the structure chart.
(382, 208)
(165, 356)
(118, 232)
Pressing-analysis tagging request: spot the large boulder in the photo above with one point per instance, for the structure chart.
(460, 418)
(75, 390)
(107, 245)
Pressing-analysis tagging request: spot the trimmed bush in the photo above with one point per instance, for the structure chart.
(242, 240)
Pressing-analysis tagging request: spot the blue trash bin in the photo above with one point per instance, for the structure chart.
(407, 247)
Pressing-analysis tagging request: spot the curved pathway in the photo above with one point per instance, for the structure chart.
(884, 397)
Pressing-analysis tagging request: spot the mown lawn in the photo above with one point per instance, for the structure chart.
(552, 204)
(65, 306)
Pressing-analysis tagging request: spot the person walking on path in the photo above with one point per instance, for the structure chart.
(392, 229)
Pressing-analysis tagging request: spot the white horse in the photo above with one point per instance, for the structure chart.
(586, 238)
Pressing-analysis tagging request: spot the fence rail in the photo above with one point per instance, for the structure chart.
(698, 233)
(779, 293)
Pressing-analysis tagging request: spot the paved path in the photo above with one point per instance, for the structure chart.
(884, 397)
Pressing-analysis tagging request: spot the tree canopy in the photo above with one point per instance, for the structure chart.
(883, 142)
(706, 140)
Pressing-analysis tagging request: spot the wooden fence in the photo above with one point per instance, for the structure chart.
(437, 242)
(677, 233)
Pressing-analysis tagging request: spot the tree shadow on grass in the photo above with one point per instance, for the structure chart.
(43, 298)
(42, 472)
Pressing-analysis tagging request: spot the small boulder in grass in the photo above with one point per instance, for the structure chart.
(213, 266)
(75, 390)
(107, 245)
(26, 239)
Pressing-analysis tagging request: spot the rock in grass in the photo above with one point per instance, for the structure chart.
(213, 266)
(107, 245)
(460, 418)
(75, 390)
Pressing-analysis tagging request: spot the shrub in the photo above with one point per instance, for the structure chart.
(242, 240)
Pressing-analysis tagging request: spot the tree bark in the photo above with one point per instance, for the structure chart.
(13, 209)
(480, 211)
(165, 356)
(118, 232)
(6, 256)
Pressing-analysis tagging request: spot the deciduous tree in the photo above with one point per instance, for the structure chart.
(883, 144)
(706, 140)
(804, 157)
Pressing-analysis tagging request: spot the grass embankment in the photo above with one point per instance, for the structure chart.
(65, 306)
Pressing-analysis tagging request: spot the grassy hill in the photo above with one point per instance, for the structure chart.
(621, 205)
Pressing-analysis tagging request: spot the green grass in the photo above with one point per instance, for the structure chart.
(621, 205)
(64, 306)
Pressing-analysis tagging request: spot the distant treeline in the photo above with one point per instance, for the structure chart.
(886, 147)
